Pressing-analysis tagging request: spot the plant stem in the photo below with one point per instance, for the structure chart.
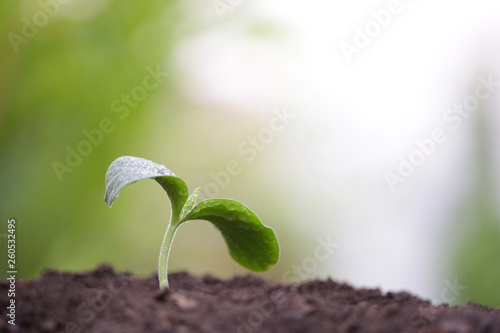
(165, 252)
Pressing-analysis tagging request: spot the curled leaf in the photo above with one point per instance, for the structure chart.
(252, 244)
(126, 170)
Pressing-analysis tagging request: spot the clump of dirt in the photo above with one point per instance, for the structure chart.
(106, 301)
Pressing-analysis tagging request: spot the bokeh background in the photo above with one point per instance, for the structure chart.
(224, 71)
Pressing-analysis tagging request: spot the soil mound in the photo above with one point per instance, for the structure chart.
(106, 301)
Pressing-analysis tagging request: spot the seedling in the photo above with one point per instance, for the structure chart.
(251, 244)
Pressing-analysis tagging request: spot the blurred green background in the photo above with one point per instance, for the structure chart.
(61, 80)
(60, 85)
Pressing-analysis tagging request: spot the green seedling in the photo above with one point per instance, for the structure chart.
(252, 244)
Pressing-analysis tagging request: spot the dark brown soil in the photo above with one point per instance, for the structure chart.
(106, 301)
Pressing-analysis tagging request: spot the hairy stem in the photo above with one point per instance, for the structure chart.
(165, 252)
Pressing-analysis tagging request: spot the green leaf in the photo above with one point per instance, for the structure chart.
(252, 244)
(126, 170)
(190, 202)
(177, 192)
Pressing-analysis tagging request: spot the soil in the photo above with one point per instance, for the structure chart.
(106, 301)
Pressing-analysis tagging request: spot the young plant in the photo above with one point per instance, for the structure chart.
(252, 244)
